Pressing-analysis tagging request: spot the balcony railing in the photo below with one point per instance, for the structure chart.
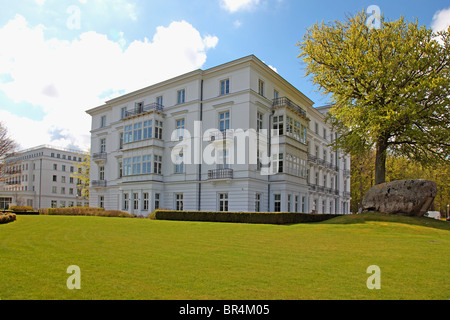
(98, 183)
(220, 174)
(100, 156)
(285, 102)
(142, 109)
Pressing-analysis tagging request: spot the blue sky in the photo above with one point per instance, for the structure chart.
(59, 58)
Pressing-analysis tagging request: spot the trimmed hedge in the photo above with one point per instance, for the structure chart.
(241, 217)
(21, 208)
(86, 211)
(7, 217)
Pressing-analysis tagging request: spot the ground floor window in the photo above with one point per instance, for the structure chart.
(258, 202)
(179, 202)
(125, 201)
(145, 205)
(156, 201)
(101, 202)
(277, 203)
(136, 201)
(5, 202)
(223, 201)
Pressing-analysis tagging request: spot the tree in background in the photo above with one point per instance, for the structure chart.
(398, 168)
(7, 145)
(82, 175)
(390, 87)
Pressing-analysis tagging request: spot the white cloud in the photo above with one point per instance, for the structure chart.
(441, 20)
(237, 5)
(66, 78)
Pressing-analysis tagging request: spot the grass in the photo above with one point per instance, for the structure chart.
(146, 259)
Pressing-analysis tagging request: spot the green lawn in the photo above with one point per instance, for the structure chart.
(123, 258)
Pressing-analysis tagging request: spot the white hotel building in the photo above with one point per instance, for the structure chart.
(134, 136)
(41, 177)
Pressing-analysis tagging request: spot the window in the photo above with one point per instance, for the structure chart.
(55, 166)
(63, 179)
(52, 155)
(53, 189)
(156, 201)
(101, 174)
(180, 128)
(72, 169)
(148, 129)
(223, 160)
(55, 178)
(120, 169)
(225, 86)
(258, 202)
(103, 121)
(158, 129)
(223, 201)
(125, 201)
(159, 101)
(289, 203)
(146, 164)
(71, 191)
(261, 87)
(136, 165)
(179, 202)
(259, 121)
(278, 162)
(325, 133)
(157, 164)
(277, 203)
(121, 141)
(224, 121)
(278, 123)
(128, 134)
(181, 95)
(303, 204)
(123, 113)
(179, 166)
(136, 201)
(63, 190)
(296, 204)
(145, 203)
(101, 201)
(316, 128)
(137, 132)
(127, 166)
(275, 94)
(54, 203)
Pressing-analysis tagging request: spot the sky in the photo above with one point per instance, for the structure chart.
(59, 58)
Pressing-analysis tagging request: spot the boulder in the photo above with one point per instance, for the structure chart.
(405, 197)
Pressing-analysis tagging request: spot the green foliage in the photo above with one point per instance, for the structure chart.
(240, 217)
(82, 175)
(87, 211)
(390, 87)
(21, 208)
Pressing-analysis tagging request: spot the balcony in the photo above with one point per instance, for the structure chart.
(153, 107)
(220, 174)
(99, 157)
(285, 102)
(221, 135)
(98, 183)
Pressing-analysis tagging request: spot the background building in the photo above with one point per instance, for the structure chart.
(132, 142)
(41, 177)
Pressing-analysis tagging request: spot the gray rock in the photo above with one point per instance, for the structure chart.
(405, 197)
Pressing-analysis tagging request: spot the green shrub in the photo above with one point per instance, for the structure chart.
(7, 217)
(86, 211)
(241, 217)
(21, 208)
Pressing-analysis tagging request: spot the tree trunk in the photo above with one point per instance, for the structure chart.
(380, 161)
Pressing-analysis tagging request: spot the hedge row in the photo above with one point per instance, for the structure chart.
(86, 211)
(241, 217)
(7, 217)
(21, 208)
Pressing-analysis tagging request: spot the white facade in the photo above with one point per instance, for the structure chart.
(132, 144)
(41, 177)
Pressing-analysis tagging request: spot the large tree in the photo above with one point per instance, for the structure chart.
(390, 87)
